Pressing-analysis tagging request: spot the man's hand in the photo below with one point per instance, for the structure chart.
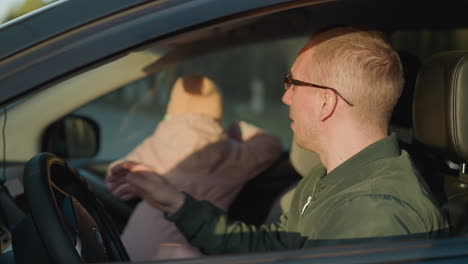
(116, 182)
(139, 179)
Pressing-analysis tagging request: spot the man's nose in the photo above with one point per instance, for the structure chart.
(287, 97)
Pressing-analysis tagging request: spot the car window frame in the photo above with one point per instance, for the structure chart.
(107, 38)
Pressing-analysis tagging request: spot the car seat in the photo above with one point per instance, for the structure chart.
(253, 203)
(440, 114)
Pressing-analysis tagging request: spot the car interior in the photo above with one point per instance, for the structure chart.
(122, 100)
(439, 126)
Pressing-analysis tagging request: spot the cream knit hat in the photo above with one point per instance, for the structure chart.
(195, 94)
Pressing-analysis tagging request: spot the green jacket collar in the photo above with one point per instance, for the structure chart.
(385, 148)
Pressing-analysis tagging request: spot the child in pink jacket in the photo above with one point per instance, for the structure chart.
(192, 150)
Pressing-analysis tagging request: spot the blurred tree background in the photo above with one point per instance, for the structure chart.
(10, 9)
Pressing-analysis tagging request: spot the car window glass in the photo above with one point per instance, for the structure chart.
(249, 77)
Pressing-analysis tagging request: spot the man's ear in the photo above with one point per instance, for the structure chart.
(329, 100)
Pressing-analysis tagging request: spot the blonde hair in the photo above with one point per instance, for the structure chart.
(363, 66)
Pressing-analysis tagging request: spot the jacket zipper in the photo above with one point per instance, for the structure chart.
(309, 199)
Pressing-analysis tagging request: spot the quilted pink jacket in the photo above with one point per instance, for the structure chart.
(199, 157)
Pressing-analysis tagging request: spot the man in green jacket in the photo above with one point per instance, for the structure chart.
(341, 93)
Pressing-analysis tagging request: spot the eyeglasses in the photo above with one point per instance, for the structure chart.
(290, 82)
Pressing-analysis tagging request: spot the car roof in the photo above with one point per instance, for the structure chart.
(54, 19)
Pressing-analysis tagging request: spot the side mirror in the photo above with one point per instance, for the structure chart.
(72, 137)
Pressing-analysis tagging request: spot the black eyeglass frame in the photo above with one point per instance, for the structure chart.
(289, 82)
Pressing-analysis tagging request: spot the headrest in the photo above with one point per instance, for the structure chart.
(440, 109)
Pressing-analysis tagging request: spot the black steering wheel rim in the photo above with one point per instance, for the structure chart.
(40, 191)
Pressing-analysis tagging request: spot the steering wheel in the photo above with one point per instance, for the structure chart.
(70, 221)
